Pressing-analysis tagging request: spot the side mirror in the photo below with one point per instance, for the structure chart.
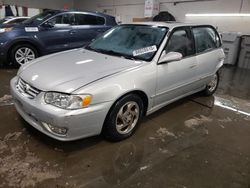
(48, 25)
(169, 57)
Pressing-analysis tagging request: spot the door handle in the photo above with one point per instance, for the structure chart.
(192, 66)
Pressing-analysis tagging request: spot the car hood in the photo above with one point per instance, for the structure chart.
(14, 25)
(18, 25)
(71, 70)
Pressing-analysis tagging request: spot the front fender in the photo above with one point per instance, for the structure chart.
(112, 88)
(35, 43)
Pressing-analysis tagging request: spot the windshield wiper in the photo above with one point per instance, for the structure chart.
(110, 52)
(91, 49)
(128, 57)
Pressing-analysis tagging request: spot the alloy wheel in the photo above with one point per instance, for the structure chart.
(213, 83)
(127, 117)
(24, 55)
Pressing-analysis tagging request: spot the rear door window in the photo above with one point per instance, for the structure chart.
(206, 39)
(63, 20)
(86, 19)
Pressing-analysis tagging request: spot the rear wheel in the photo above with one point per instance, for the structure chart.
(124, 117)
(23, 53)
(212, 85)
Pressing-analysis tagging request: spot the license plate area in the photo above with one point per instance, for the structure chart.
(31, 115)
(18, 103)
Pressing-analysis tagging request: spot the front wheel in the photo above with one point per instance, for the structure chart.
(21, 54)
(212, 85)
(123, 118)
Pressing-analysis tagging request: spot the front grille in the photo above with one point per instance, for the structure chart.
(26, 89)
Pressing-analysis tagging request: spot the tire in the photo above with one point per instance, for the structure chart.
(121, 122)
(21, 54)
(213, 85)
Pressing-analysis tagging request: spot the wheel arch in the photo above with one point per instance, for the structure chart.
(139, 93)
(20, 42)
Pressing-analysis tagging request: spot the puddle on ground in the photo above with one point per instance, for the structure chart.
(172, 143)
(239, 106)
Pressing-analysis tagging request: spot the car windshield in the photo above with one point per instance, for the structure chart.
(40, 18)
(130, 41)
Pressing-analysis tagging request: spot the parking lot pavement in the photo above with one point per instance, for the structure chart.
(195, 142)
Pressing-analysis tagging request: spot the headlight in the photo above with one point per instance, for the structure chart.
(67, 101)
(3, 30)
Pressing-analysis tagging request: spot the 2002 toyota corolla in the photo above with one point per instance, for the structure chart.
(128, 72)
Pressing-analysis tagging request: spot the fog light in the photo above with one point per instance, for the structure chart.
(54, 129)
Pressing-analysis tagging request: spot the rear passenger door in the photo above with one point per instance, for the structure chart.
(86, 28)
(208, 49)
(177, 78)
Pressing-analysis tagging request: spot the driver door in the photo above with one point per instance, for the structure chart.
(176, 78)
(57, 34)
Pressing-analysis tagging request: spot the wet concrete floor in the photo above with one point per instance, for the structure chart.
(197, 142)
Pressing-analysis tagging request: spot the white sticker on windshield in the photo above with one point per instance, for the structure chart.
(145, 50)
(31, 29)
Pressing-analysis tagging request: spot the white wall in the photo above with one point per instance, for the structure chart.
(237, 24)
(34, 6)
(51, 4)
(129, 9)
(33, 11)
(126, 10)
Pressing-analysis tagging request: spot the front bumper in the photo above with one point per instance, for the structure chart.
(80, 123)
(3, 53)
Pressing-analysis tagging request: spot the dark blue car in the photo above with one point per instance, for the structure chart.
(49, 32)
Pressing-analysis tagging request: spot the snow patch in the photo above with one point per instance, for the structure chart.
(12, 136)
(6, 100)
(226, 120)
(222, 126)
(164, 151)
(144, 167)
(194, 122)
(162, 132)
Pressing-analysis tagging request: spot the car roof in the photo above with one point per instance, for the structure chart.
(170, 25)
(82, 11)
(18, 17)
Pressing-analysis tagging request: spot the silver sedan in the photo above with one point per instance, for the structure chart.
(107, 87)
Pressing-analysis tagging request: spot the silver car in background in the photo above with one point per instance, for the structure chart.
(130, 71)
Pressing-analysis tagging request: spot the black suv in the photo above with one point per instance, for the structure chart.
(49, 32)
